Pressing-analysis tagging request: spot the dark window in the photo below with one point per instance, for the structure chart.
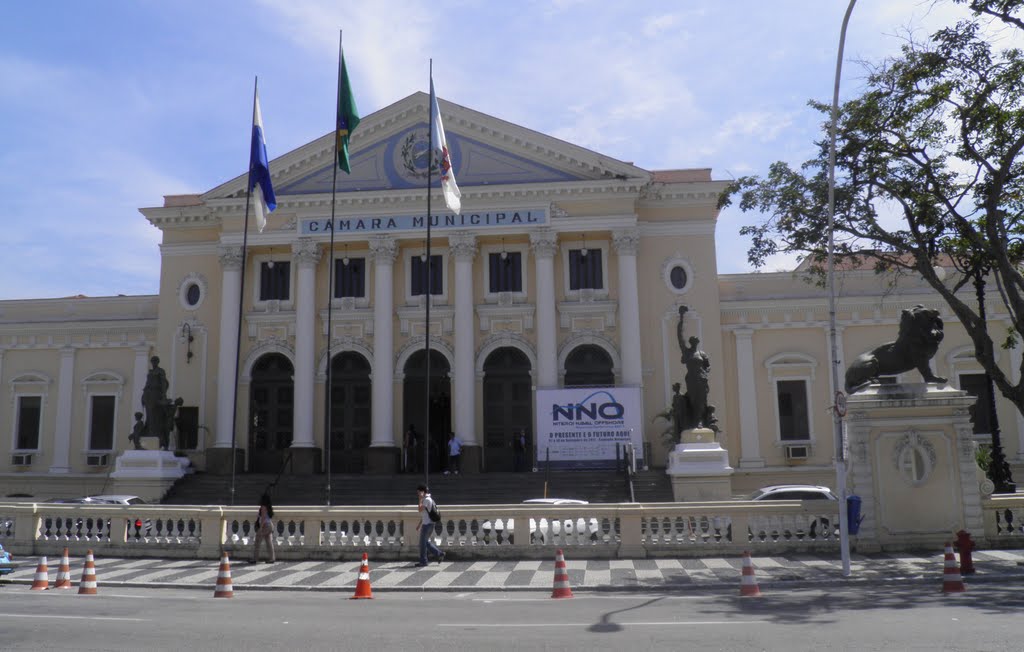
(274, 281)
(350, 279)
(187, 424)
(30, 409)
(978, 387)
(192, 294)
(585, 270)
(506, 271)
(419, 275)
(793, 418)
(101, 426)
(678, 277)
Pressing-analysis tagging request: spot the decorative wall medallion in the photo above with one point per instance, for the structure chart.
(914, 458)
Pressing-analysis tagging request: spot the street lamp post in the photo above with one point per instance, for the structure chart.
(998, 470)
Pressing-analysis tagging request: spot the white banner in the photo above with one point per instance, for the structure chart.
(580, 426)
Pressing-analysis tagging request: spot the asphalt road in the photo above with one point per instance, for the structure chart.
(906, 617)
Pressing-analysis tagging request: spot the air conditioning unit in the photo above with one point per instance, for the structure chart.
(21, 459)
(97, 460)
(797, 453)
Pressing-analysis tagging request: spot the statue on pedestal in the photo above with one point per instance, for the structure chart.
(692, 410)
(160, 410)
(918, 340)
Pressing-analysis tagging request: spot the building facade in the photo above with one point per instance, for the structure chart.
(566, 268)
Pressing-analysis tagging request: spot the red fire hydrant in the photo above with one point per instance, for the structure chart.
(965, 546)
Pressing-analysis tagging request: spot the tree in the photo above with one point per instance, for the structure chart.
(938, 135)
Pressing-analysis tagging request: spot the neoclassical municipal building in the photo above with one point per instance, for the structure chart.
(565, 268)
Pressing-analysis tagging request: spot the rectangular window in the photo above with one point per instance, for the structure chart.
(101, 426)
(977, 386)
(187, 425)
(275, 281)
(585, 270)
(419, 276)
(506, 271)
(350, 279)
(794, 424)
(30, 413)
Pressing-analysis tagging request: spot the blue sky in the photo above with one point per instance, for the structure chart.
(107, 106)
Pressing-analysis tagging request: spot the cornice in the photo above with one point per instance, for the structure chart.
(662, 229)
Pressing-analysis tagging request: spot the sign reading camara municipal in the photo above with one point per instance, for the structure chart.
(580, 427)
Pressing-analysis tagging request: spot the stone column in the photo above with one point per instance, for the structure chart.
(750, 443)
(544, 243)
(626, 243)
(218, 458)
(383, 454)
(62, 429)
(463, 249)
(305, 456)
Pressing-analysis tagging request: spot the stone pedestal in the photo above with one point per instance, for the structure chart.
(912, 462)
(147, 473)
(699, 468)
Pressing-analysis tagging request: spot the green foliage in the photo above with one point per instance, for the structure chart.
(669, 438)
(983, 457)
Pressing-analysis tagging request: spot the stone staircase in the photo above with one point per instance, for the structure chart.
(466, 489)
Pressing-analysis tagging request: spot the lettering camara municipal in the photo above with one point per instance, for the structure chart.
(532, 217)
(581, 427)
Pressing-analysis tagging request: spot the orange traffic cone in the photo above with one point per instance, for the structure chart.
(748, 583)
(951, 580)
(363, 590)
(63, 572)
(87, 585)
(224, 588)
(41, 581)
(561, 586)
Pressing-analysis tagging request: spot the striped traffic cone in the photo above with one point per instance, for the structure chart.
(63, 572)
(363, 590)
(951, 580)
(224, 588)
(561, 586)
(41, 581)
(87, 585)
(748, 583)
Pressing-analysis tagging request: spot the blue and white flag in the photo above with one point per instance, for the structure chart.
(443, 158)
(264, 201)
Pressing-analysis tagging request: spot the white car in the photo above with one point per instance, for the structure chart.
(540, 530)
(141, 526)
(799, 492)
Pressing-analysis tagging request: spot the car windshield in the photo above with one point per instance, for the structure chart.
(756, 495)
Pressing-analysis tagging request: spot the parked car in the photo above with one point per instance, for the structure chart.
(541, 530)
(142, 526)
(798, 492)
(7, 563)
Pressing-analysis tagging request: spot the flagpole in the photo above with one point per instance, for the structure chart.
(426, 338)
(330, 289)
(241, 298)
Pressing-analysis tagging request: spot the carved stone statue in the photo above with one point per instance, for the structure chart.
(692, 410)
(918, 339)
(160, 410)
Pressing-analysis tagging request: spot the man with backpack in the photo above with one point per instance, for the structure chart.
(428, 516)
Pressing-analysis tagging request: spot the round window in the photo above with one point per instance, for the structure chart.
(677, 276)
(192, 294)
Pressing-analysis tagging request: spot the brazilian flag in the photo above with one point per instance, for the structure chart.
(348, 115)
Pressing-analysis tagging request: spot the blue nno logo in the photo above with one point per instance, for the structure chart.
(600, 405)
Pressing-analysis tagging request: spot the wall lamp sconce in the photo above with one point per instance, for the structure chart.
(583, 252)
(186, 332)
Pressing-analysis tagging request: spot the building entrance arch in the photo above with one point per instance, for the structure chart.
(271, 410)
(414, 391)
(508, 408)
(588, 365)
(350, 412)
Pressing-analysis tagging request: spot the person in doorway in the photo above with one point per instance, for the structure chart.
(454, 454)
(264, 529)
(426, 526)
(519, 446)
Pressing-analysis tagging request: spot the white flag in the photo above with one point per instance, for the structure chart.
(452, 196)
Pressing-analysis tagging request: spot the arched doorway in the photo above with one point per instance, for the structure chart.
(414, 405)
(271, 406)
(589, 365)
(350, 412)
(508, 406)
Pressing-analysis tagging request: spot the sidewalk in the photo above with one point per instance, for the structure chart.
(584, 575)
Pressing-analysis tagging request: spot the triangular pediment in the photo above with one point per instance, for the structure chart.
(388, 152)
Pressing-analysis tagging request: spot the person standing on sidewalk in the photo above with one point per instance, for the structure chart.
(426, 526)
(264, 529)
(454, 454)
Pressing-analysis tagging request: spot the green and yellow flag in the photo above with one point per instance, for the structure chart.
(348, 115)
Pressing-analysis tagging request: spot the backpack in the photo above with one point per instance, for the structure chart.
(434, 514)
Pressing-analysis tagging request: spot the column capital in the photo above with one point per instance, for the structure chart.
(383, 249)
(626, 242)
(230, 257)
(462, 244)
(544, 243)
(306, 251)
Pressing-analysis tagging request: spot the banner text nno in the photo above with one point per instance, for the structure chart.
(385, 223)
(580, 427)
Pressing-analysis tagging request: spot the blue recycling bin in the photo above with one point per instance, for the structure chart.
(853, 517)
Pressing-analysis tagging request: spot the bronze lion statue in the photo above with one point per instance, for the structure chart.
(918, 340)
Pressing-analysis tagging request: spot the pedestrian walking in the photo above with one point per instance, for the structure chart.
(454, 454)
(428, 516)
(264, 529)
